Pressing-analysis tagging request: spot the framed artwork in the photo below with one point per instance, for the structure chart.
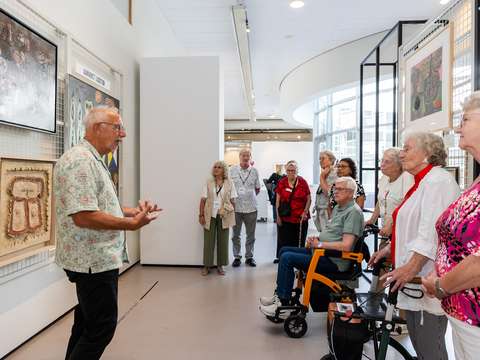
(428, 84)
(26, 206)
(81, 98)
(28, 76)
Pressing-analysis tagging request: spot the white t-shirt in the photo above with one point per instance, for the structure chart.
(391, 194)
(218, 194)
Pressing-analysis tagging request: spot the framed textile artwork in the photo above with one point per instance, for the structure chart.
(428, 84)
(26, 206)
(28, 76)
(81, 98)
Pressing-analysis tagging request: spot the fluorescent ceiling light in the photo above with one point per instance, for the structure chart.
(296, 4)
(443, 2)
(239, 14)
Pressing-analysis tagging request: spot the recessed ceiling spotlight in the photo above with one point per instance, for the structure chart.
(443, 2)
(299, 137)
(296, 4)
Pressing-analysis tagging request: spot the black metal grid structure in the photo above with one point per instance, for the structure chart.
(398, 29)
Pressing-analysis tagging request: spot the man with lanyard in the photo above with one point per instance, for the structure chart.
(90, 226)
(247, 184)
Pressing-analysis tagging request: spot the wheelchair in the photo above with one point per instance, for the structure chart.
(340, 283)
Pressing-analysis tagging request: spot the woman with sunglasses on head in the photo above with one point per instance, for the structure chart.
(347, 167)
(217, 215)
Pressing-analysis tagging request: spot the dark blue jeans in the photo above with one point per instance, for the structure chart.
(297, 258)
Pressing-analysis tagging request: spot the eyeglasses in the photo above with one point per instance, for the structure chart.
(342, 166)
(338, 189)
(116, 127)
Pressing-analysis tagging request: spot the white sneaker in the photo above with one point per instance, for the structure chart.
(268, 300)
(270, 310)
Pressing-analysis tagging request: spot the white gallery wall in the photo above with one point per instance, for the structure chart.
(181, 136)
(269, 153)
(34, 300)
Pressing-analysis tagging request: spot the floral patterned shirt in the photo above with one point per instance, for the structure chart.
(82, 183)
(458, 231)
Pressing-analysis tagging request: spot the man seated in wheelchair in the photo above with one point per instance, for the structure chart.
(341, 233)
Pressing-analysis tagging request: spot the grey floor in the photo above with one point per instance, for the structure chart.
(187, 316)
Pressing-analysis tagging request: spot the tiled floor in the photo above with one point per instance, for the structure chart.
(187, 316)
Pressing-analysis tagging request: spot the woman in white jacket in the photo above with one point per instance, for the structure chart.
(414, 240)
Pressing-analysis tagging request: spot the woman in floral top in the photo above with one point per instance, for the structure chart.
(457, 278)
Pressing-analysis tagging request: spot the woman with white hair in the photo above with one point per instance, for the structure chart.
(217, 215)
(392, 187)
(414, 240)
(456, 281)
(327, 179)
(293, 205)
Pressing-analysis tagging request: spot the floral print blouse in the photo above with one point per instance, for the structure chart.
(82, 182)
(458, 231)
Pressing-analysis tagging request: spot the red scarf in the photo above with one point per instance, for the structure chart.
(414, 188)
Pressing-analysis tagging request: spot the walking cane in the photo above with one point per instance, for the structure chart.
(300, 275)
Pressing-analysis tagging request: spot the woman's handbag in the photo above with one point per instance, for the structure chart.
(284, 208)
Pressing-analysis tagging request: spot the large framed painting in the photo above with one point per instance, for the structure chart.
(428, 85)
(28, 76)
(81, 98)
(26, 206)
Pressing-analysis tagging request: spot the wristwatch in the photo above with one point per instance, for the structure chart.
(440, 293)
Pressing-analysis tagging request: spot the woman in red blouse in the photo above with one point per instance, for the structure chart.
(293, 193)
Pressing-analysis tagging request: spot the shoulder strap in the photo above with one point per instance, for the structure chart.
(293, 190)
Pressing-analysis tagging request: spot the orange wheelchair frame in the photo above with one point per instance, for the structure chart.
(295, 325)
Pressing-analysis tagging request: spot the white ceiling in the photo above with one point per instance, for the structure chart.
(281, 38)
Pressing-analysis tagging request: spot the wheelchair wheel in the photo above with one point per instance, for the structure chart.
(295, 326)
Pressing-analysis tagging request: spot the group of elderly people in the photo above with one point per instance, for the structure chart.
(434, 231)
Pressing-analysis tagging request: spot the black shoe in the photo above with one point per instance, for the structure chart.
(276, 261)
(236, 262)
(251, 262)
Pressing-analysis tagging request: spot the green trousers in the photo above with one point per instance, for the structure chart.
(218, 235)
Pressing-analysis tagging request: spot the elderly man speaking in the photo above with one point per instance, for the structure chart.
(90, 240)
(341, 233)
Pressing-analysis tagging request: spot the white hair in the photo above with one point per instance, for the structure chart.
(98, 114)
(432, 145)
(349, 182)
(394, 153)
(245, 151)
(472, 102)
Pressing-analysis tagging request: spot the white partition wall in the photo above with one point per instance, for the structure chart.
(181, 135)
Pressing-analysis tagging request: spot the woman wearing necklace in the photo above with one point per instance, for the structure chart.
(217, 215)
(414, 241)
(293, 204)
(456, 281)
(392, 188)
